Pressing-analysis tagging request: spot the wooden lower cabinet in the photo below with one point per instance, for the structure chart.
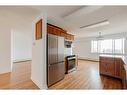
(118, 67)
(113, 67)
(107, 66)
(124, 78)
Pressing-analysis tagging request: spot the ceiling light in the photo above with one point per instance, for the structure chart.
(97, 24)
(99, 37)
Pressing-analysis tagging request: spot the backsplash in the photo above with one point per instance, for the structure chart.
(67, 51)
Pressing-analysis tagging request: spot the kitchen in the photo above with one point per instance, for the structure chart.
(63, 47)
(60, 58)
(74, 58)
(81, 47)
(61, 41)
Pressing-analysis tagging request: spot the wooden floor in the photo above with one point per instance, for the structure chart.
(19, 78)
(87, 77)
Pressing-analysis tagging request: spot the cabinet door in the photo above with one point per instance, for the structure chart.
(62, 33)
(50, 29)
(118, 67)
(65, 36)
(38, 33)
(107, 66)
(59, 32)
(54, 31)
(72, 37)
(110, 66)
(69, 37)
(102, 65)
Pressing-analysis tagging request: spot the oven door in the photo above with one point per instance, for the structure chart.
(71, 63)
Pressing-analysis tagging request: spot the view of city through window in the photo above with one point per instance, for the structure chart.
(115, 46)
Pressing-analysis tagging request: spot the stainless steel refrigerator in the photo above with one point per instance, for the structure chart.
(55, 62)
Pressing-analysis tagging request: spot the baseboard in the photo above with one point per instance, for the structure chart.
(93, 60)
(21, 60)
(38, 85)
(2, 73)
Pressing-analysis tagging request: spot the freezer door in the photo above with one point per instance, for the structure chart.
(55, 73)
(60, 49)
(52, 49)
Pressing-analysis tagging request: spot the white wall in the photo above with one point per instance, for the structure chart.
(83, 50)
(5, 50)
(82, 46)
(22, 45)
(39, 72)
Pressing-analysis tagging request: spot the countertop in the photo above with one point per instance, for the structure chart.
(114, 56)
(124, 58)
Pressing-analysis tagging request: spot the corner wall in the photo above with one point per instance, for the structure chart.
(39, 73)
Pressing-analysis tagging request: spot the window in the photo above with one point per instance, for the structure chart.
(119, 46)
(94, 46)
(115, 46)
(105, 46)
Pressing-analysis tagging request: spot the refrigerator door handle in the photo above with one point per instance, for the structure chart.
(61, 62)
(55, 63)
(49, 65)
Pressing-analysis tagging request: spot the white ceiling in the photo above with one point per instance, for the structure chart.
(117, 17)
(70, 18)
(56, 14)
(17, 17)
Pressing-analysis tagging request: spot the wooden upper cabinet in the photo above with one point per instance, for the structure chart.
(65, 36)
(72, 37)
(38, 34)
(54, 31)
(59, 32)
(50, 29)
(69, 37)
